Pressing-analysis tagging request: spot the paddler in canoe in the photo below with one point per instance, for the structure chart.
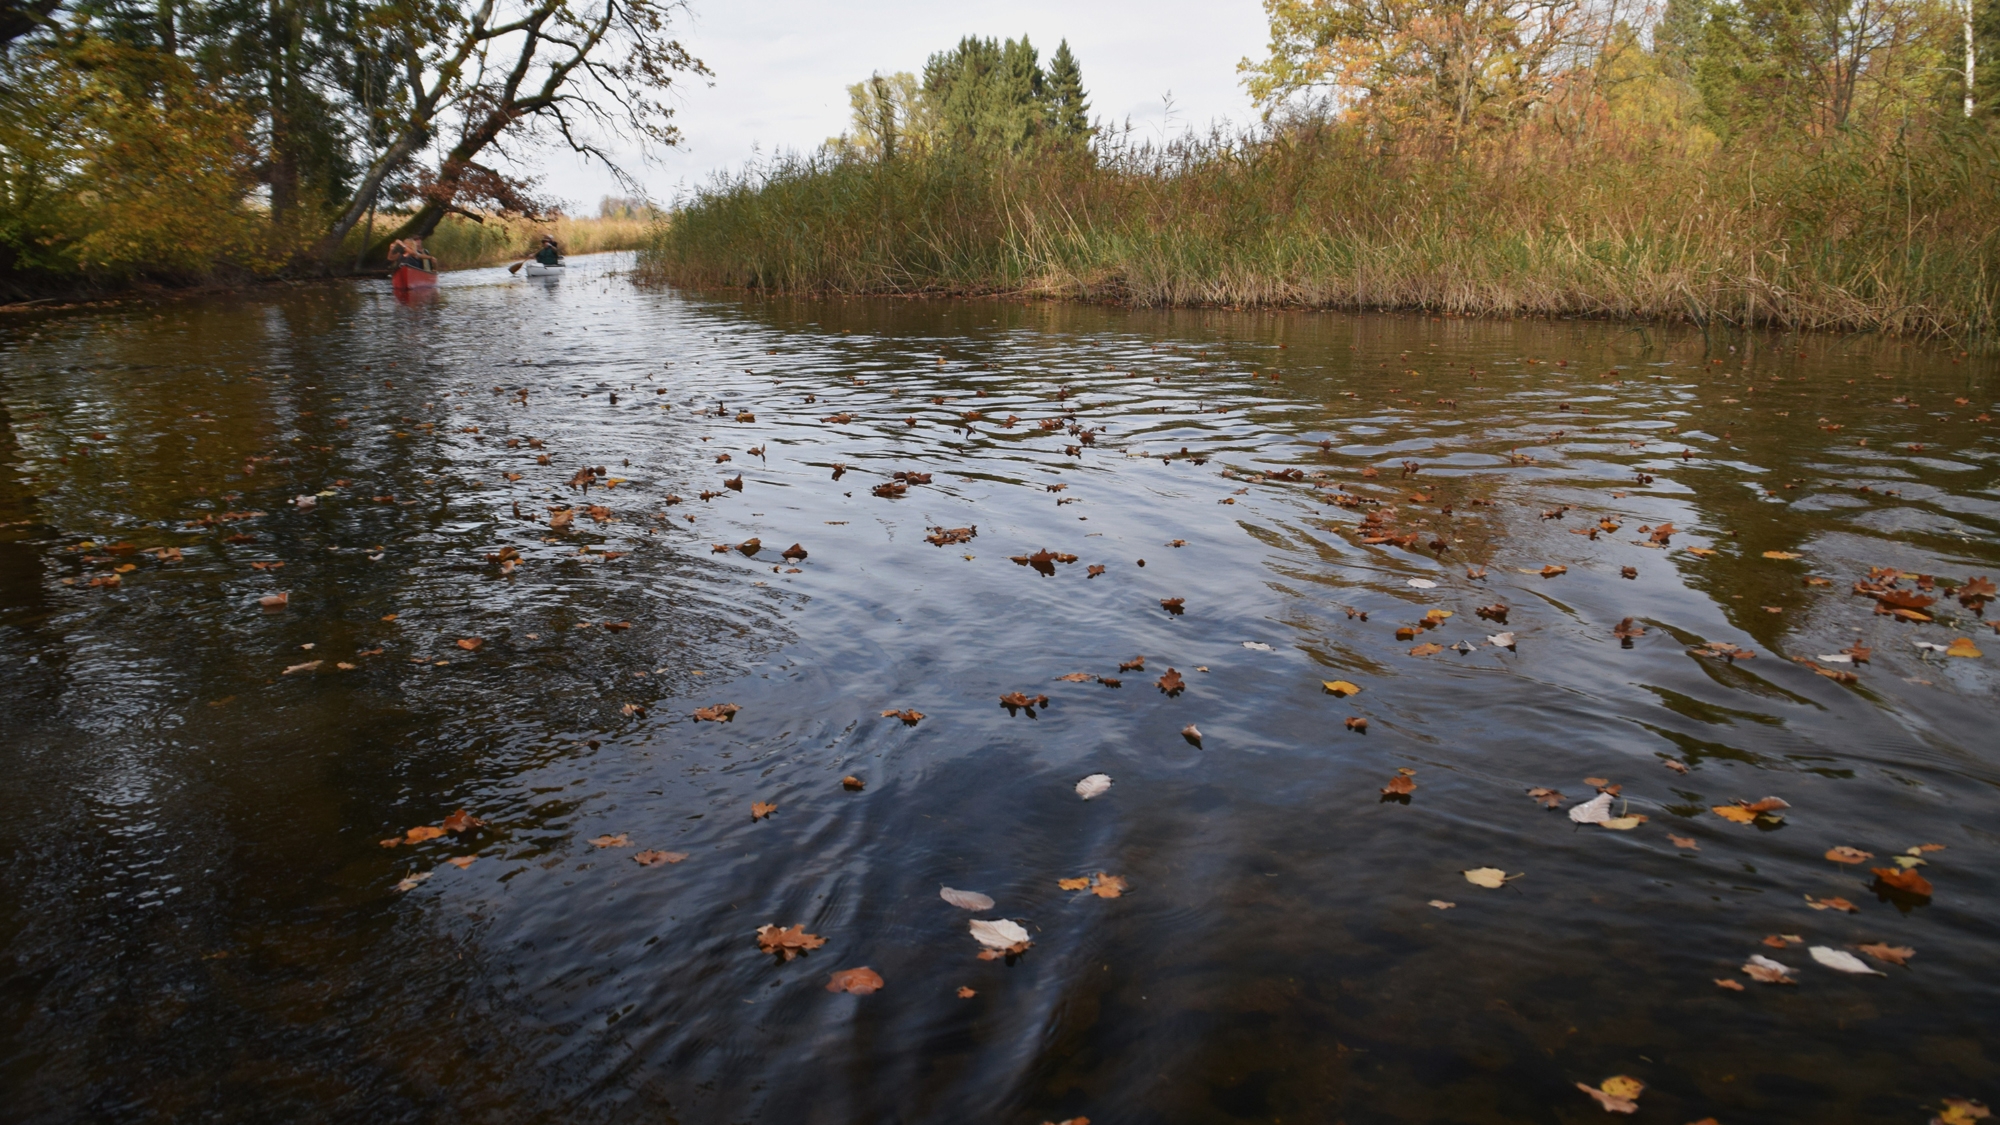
(549, 259)
(414, 265)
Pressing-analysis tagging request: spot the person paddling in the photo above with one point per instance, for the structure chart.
(410, 252)
(550, 254)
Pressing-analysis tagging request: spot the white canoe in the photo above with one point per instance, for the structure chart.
(537, 269)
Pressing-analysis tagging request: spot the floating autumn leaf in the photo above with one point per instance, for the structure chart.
(461, 822)
(1441, 904)
(1766, 971)
(787, 943)
(1892, 954)
(421, 833)
(1015, 702)
(1171, 683)
(1489, 877)
(1427, 649)
(1845, 854)
(1780, 941)
(1496, 613)
(1549, 798)
(1963, 646)
(750, 546)
(1093, 571)
(1173, 606)
(1096, 785)
(852, 784)
(1731, 985)
(720, 713)
(1339, 687)
(1000, 936)
(1357, 723)
(306, 667)
(1961, 1111)
(1080, 883)
(618, 841)
(471, 644)
(1192, 734)
(1401, 785)
(1841, 961)
(1835, 903)
(411, 880)
(1617, 1094)
(1625, 630)
(651, 858)
(910, 717)
(1743, 812)
(1551, 570)
(965, 993)
(462, 861)
(1076, 678)
(965, 900)
(761, 809)
(1136, 664)
(860, 982)
(1780, 555)
(1687, 842)
(275, 601)
(1907, 881)
(793, 553)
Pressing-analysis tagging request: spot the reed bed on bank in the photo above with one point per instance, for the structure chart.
(1901, 238)
(460, 243)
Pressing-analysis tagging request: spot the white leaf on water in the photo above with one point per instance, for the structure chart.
(1093, 786)
(1259, 646)
(1423, 583)
(999, 934)
(1462, 647)
(1489, 877)
(1501, 640)
(1924, 646)
(965, 900)
(1775, 966)
(1842, 658)
(1842, 961)
(1597, 810)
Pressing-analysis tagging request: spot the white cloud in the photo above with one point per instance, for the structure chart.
(782, 68)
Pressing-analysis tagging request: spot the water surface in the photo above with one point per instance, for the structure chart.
(201, 922)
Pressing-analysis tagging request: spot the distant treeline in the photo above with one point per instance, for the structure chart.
(173, 139)
(1806, 163)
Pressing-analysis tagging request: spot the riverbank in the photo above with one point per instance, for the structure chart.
(1905, 242)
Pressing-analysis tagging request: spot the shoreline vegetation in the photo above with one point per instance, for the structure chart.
(1680, 174)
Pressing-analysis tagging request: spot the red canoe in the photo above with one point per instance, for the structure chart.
(409, 277)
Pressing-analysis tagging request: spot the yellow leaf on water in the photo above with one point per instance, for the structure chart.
(1963, 646)
(1623, 1086)
(1780, 555)
(1427, 649)
(1489, 877)
(1340, 687)
(1737, 813)
(1701, 552)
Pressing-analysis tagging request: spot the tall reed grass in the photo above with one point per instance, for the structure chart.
(1903, 238)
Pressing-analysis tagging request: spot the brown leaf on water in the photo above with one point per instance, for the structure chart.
(1093, 571)
(1357, 723)
(1174, 606)
(306, 667)
(787, 943)
(1171, 683)
(461, 822)
(1675, 764)
(1733, 986)
(1835, 903)
(1845, 854)
(275, 601)
(1626, 630)
(1859, 652)
(1401, 785)
(890, 489)
(1662, 533)
(1687, 842)
(965, 993)
(1766, 971)
(1136, 664)
(1907, 881)
(1107, 886)
(1633, 572)
(1551, 570)
(720, 713)
(1962, 1111)
(1016, 701)
(941, 536)
(421, 833)
(761, 809)
(910, 718)
(1427, 649)
(1549, 798)
(462, 861)
(650, 858)
(750, 547)
(1893, 954)
(1963, 646)
(1780, 555)
(618, 841)
(1077, 678)
(1496, 613)
(852, 784)
(1780, 941)
(471, 644)
(860, 982)
(793, 553)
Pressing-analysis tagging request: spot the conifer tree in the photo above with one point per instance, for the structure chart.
(1069, 110)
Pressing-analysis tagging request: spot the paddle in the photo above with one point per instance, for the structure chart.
(516, 267)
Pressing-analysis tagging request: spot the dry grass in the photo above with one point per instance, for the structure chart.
(1903, 239)
(460, 243)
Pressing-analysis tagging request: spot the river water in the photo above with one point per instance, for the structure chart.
(201, 921)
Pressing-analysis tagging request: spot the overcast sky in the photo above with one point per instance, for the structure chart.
(782, 68)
